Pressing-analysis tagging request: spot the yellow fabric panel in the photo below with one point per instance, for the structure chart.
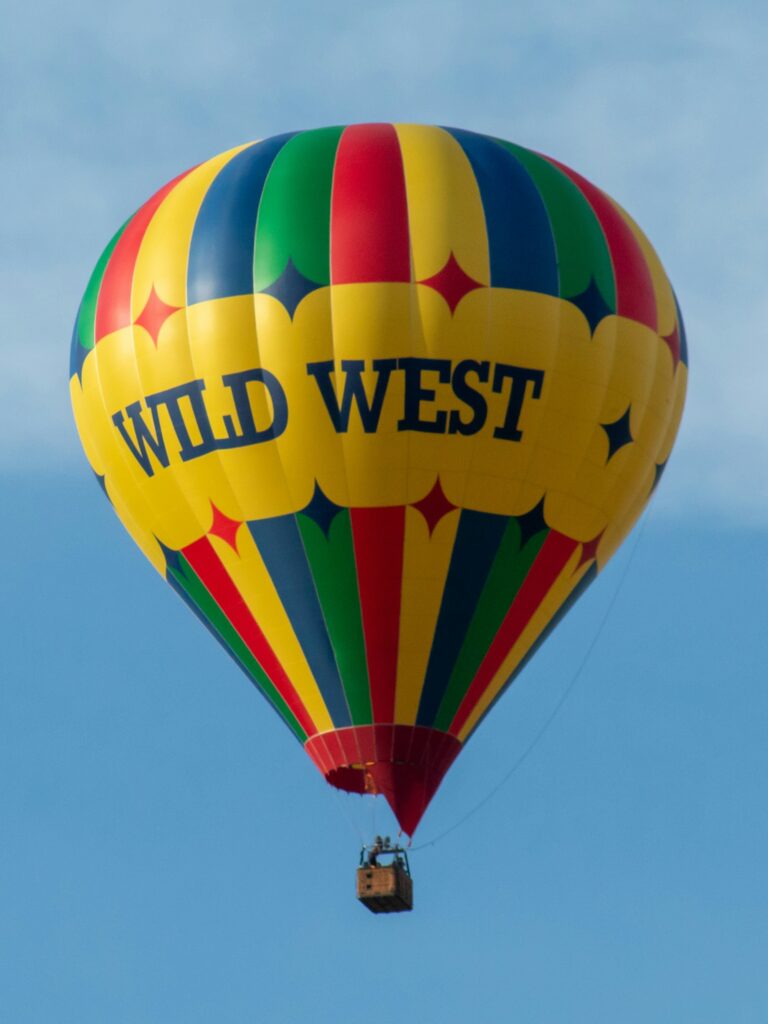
(127, 365)
(177, 508)
(445, 210)
(131, 516)
(588, 380)
(110, 382)
(617, 531)
(252, 479)
(425, 567)
(162, 258)
(678, 401)
(162, 264)
(309, 447)
(654, 440)
(254, 584)
(636, 379)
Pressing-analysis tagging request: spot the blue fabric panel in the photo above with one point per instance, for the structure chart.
(477, 540)
(221, 250)
(280, 545)
(520, 242)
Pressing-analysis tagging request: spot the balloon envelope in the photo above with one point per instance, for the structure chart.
(379, 401)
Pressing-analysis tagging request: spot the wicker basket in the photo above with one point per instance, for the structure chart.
(385, 888)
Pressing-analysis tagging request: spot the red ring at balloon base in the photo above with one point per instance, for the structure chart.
(403, 763)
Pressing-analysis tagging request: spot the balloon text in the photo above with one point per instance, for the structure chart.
(258, 394)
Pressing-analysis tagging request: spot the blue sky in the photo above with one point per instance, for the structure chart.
(168, 853)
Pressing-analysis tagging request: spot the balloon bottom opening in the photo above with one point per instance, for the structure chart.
(403, 763)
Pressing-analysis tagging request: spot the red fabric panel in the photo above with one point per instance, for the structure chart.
(635, 297)
(401, 742)
(408, 782)
(348, 742)
(449, 754)
(319, 754)
(549, 563)
(369, 212)
(113, 308)
(327, 754)
(383, 736)
(432, 747)
(379, 535)
(440, 749)
(418, 745)
(335, 750)
(206, 563)
(366, 745)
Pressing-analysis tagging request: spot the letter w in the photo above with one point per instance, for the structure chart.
(144, 437)
(354, 391)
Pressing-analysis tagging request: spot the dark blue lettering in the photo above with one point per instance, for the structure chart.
(469, 396)
(144, 437)
(519, 376)
(147, 442)
(354, 391)
(238, 385)
(415, 393)
(171, 399)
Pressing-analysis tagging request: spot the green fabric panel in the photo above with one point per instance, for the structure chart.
(582, 251)
(217, 621)
(86, 330)
(294, 220)
(509, 569)
(332, 564)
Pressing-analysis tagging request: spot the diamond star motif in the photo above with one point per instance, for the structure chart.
(172, 558)
(452, 283)
(290, 288)
(224, 528)
(589, 550)
(592, 304)
(434, 506)
(618, 433)
(154, 314)
(673, 343)
(531, 523)
(321, 509)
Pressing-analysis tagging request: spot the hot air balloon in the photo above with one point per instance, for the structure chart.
(379, 402)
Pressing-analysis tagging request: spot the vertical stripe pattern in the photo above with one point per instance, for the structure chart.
(369, 213)
(381, 632)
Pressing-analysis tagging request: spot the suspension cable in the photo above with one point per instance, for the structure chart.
(559, 704)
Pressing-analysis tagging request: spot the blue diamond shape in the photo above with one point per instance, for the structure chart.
(531, 523)
(321, 509)
(592, 304)
(618, 433)
(172, 558)
(290, 288)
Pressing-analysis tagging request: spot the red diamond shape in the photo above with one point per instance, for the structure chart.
(673, 341)
(452, 283)
(224, 528)
(154, 314)
(434, 506)
(589, 550)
